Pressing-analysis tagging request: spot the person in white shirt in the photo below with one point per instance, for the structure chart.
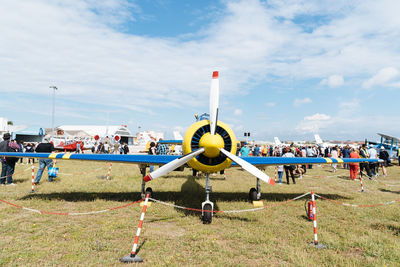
(334, 154)
(373, 154)
(289, 168)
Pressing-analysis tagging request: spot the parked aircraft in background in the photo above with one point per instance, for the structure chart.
(390, 143)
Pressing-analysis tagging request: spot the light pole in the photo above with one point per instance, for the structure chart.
(54, 106)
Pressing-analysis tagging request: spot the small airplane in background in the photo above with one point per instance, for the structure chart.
(390, 143)
(319, 142)
(209, 146)
(64, 144)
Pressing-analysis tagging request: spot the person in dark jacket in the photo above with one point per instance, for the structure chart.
(8, 163)
(45, 147)
(384, 155)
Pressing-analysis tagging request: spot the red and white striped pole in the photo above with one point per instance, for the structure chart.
(276, 172)
(33, 177)
(224, 174)
(314, 213)
(109, 171)
(133, 257)
(361, 180)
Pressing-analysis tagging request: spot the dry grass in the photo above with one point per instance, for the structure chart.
(275, 236)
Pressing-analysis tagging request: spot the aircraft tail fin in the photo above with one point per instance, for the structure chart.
(177, 135)
(318, 139)
(277, 141)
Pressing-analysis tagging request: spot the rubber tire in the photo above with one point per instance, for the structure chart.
(207, 216)
(253, 194)
(148, 191)
(194, 172)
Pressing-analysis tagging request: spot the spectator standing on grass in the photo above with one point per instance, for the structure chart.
(346, 154)
(373, 154)
(30, 148)
(264, 151)
(162, 149)
(126, 149)
(384, 155)
(364, 165)
(334, 154)
(256, 151)
(78, 147)
(289, 168)
(45, 147)
(310, 154)
(116, 147)
(8, 163)
(106, 147)
(245, 151)
(152, 151)
(353, 166)
(279, 168)
(21, 149)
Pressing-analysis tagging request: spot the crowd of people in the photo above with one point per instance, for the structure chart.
(8, 163)
(368, 169)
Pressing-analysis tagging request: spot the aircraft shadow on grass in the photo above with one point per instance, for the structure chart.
(191, 195)
(389, 191)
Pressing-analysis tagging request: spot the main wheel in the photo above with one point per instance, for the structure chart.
(148, 191)
(253, 194)
(207, 215)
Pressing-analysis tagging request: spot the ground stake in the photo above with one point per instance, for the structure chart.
(33, 178)
(133, 257)
(109, 170)
(315, 243)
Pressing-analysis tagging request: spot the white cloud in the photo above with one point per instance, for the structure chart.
(317, 117)
(83, 48)
(384, 76)
(314, 123)
(298, 102)
(333, 81)
(271, 104)
(238, 112)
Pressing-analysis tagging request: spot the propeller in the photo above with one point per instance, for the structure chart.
(214, 99)
(172, 165)
(248, 167)
(210, 144)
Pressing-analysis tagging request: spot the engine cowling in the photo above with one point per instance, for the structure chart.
(211, 160)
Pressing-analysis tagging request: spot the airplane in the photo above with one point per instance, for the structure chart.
(319, 142)
(209, 146)
(390, 143)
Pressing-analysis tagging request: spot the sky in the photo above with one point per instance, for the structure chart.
(287, 68)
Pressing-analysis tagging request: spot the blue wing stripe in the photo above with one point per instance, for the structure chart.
(138, 159)
(164, 159)
(299, 160)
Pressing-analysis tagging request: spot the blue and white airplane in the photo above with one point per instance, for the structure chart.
(390, 143)
(209, 146)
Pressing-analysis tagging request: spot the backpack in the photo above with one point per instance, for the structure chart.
(11, 147)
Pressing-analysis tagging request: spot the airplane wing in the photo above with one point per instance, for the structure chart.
(135, 159)
(164, 159)
(262, 161)
(388, 137)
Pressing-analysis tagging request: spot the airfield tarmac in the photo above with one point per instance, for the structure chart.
(278, 235)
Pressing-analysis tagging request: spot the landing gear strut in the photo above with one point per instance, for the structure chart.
(207, 206)
(255, 194)
(148, 189)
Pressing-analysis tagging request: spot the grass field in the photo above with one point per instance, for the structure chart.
(278, 235)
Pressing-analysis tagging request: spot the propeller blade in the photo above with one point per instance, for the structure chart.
(214, 99)
(248, 167)
(172, 165)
